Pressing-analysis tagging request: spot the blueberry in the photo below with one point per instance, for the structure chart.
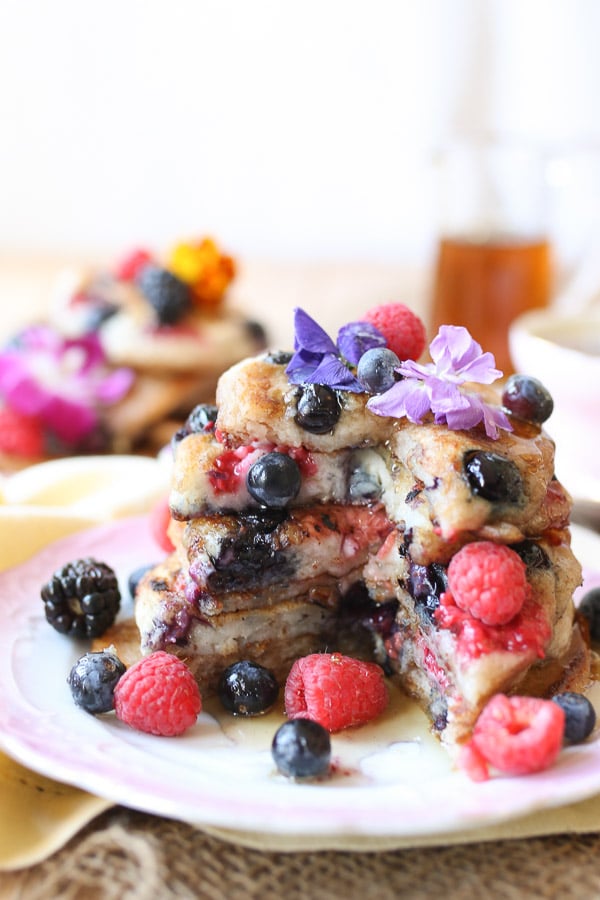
(274, 479)
(168, 295)
(589, 607)
(256, 331)
(527, 398)
(493, 477)
(318, 408)
(202, 418)
(135, 577)
(426, 585)
(278, 357)
(580, 716)
(93, 679)
(363, 486)
(375, 369)
(248, 689)
(534, 556)
(301, 748)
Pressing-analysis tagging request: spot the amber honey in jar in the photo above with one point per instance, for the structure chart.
(484, 284)
(493, 257)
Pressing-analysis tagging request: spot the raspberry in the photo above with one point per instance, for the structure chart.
(517, 735)
(158, 695)
(334, 690)
(20, 435)
(489, 581)
(131, 266)
(160, 519)
(403, 330)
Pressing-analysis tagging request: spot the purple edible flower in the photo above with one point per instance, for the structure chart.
(436, 386)
(61, 381)
(317, 360)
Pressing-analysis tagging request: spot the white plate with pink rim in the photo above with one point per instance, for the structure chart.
(390, 779)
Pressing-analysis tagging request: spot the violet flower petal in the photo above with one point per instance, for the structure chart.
(332, 372)
(356, 338)
(460, 358)
(407, 398)
(309, 335)
(301, 366)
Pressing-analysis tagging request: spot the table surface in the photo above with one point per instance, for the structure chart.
(124, 853)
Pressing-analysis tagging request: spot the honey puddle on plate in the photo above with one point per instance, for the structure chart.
(383, 750)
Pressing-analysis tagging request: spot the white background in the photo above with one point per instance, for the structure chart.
(290, 130)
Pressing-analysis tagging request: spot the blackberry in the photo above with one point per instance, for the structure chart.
(168, 295)
(201, 419)
(589, 608)
(248, 689)
(317, 408)
(274, 479)
(527, 398)
(580, 716)
(301, 748)
(492, 476)
(93, 679)
(82, 598)
(376, 369)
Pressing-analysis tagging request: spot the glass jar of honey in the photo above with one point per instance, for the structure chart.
(494, 257)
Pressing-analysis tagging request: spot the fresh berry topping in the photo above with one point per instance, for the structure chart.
(527, 398)
(302, 749)
(518, 735)
(202, 419)
(426, 586)
(528, 632)
(20, 435)
(160, 519)
(131, 265)
(580, 716)
(135, 577)
(493, 477)
(158, 695)
(167, 294)
(93, 679)
(256, 331)
(82, 598)
(363, 486)
(248, 689)
(317, 408)
(274, 479)
(336, 691)
(489, 581)
(533, 555)
(376, 369)
(403, 330)
(278, 357)
(589, 608)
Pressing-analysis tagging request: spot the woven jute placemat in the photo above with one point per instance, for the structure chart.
(125, 855)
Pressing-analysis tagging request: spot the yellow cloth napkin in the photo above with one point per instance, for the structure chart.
(37, 506)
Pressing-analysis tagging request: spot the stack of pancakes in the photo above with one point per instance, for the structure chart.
(362, 549)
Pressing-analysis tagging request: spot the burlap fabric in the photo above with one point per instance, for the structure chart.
(126, 855)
